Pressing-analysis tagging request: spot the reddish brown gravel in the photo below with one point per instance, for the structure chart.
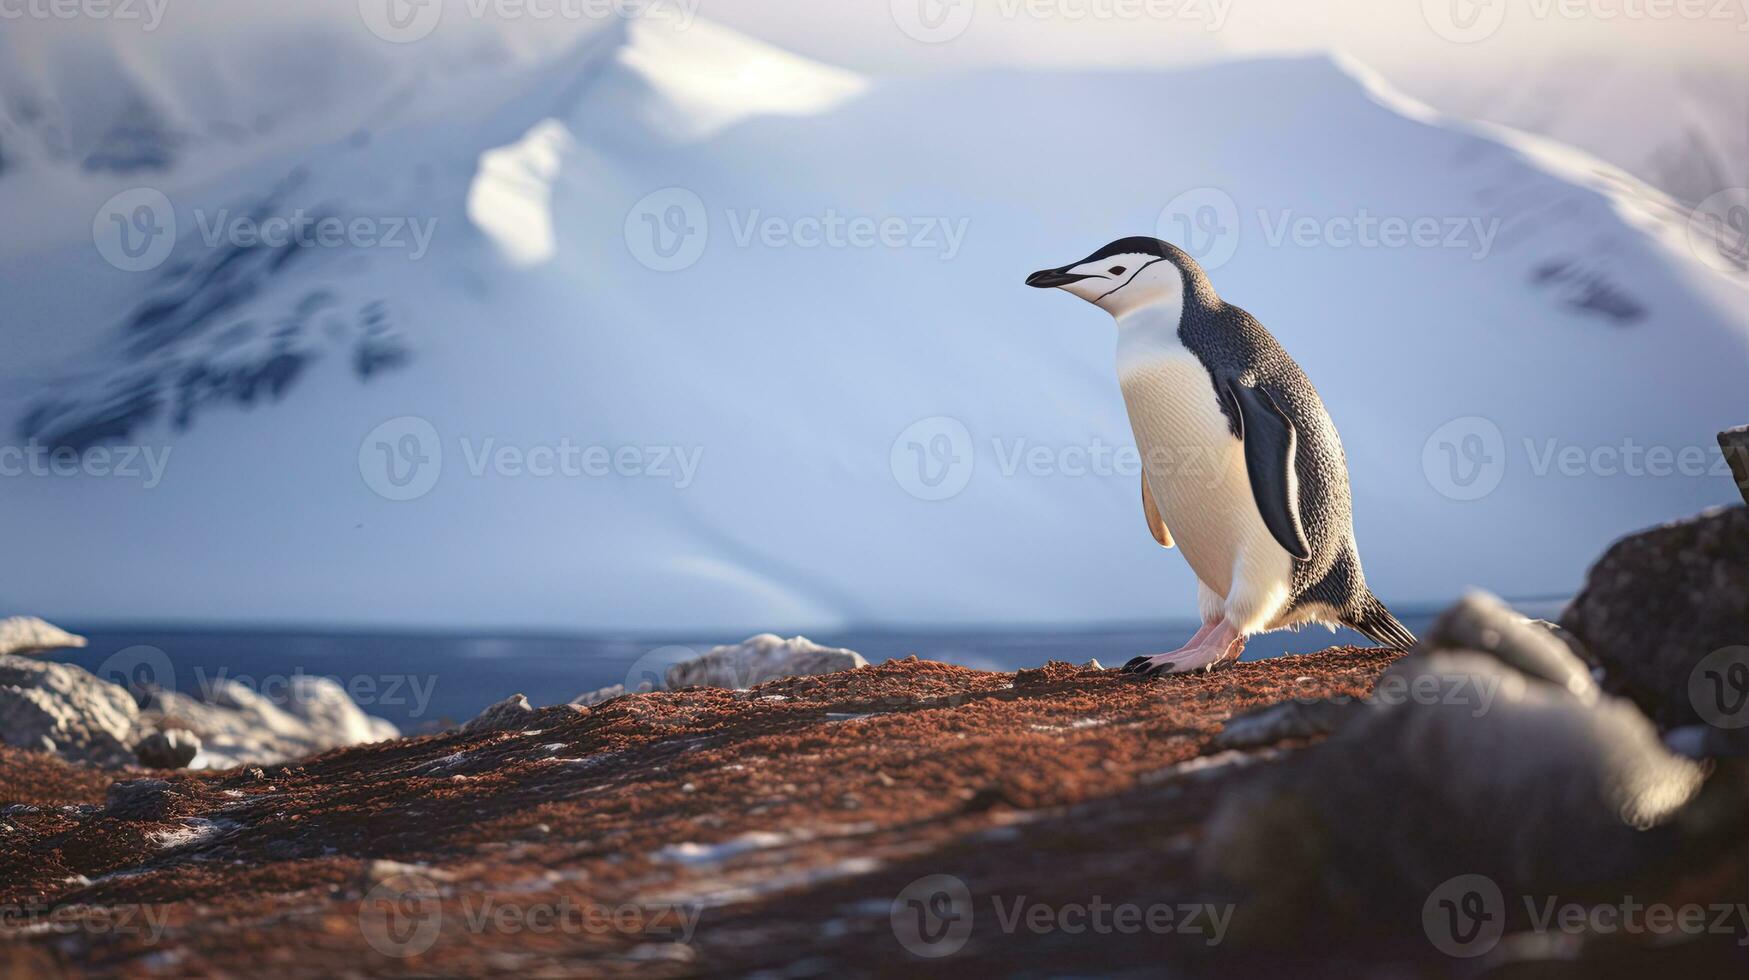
(684, 833)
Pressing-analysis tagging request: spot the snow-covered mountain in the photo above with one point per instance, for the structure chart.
(1683, 128)
(757, 311)
(1660, 93)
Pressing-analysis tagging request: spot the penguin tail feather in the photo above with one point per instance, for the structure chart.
(1376, 623)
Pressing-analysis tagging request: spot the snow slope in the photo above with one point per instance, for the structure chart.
(788, 368)
(1681, 127)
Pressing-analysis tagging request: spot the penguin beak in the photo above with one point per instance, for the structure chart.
(1052, 278)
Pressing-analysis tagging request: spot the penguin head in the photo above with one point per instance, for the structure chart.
(1127, 275)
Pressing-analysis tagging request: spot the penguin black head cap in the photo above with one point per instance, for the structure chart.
(1128, 274)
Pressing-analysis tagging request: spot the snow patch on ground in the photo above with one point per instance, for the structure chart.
(690, 853)
(193, 830)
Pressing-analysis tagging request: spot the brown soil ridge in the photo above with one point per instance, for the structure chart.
(786, 819)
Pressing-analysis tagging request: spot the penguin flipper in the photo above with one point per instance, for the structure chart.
(1156, 523)
(1270, 445)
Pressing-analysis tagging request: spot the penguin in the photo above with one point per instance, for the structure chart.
(1241, 466)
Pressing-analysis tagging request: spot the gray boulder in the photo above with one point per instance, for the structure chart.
(1734, 443)
(325, 707)
(28, 634)
(1487, 751)
(1659, 603)
(512, 712)
(66, 710)
(766, 657)
(173, 749)
(602, 695)
(238, 726)
(738, 666)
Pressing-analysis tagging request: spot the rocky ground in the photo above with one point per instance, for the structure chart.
(1508, 799)
(787, 819)
(695, 832)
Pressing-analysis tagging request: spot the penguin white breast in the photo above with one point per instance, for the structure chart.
(1196, 469)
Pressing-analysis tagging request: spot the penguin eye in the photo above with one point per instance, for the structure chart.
(1116, 270)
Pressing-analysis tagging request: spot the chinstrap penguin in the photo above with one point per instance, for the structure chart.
(1241, 465)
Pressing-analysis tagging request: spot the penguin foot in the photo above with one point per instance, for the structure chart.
(1141, 665)
(1215, 645)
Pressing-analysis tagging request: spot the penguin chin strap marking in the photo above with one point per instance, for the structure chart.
(1131, 279)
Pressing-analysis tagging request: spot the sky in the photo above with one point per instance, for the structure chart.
(1399, 37)
(1395, 36)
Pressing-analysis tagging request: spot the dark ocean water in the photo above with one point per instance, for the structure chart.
(420, 682)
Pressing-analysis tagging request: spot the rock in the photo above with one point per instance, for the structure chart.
(512, 712)
(1734, 443)
(160, 801)
(1488, 751)
(238, 726)
(601, 695)
(83, 717)
(379, 870)
(125, 793)
(144, 799)
(323, 705)
(766, 657)
(1532, 647)
(28, 634)
(1289, 719)
(173, 749)
(1660, 602)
